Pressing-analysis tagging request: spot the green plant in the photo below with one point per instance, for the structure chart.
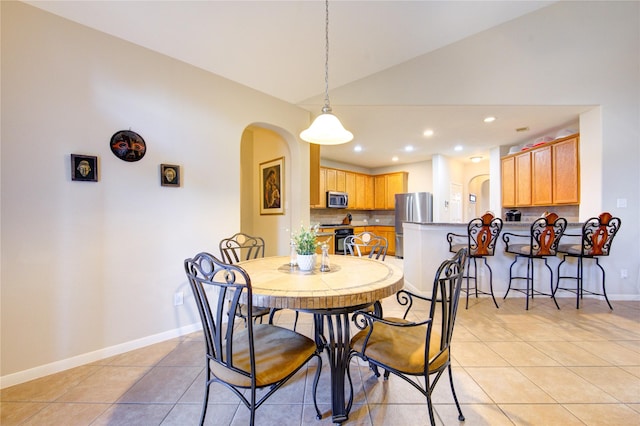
(305, 240)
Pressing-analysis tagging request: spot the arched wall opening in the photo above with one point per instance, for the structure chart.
(262, 143)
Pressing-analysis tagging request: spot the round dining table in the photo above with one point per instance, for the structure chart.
(352, 283)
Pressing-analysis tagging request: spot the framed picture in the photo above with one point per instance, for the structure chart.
(169, 175)
(84, 168)
(271, 190)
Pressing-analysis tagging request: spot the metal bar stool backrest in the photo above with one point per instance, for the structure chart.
(545, 235)
(598, 233)
(483, 233)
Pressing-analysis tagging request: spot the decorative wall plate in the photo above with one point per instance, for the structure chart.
(128, 145)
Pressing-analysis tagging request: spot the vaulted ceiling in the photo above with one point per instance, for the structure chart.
(277, 47)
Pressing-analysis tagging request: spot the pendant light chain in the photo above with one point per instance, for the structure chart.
(326, 128)
(327, 107)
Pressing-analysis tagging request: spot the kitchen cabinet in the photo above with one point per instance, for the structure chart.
(388, 232)
(509, 182)
(541, 177)
(566, 171)
(350, 189)
(523, 179)
(545, 176)
(326, 239)
(386, 187)
(331, 179)
(365, 192)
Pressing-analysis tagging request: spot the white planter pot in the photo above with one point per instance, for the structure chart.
(306, 262)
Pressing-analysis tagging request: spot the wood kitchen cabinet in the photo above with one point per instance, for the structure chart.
(541, 177)
(509, 182)
(545, 176)
(365, 192)
(386, 188)
(523, 179)
(566, 172)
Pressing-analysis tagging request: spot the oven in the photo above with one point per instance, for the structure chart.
(340, 235)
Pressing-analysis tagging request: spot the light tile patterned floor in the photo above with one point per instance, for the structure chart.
(511, 367)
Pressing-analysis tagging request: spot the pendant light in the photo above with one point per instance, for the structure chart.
(326, 129)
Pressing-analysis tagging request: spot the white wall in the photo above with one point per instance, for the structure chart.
(90, 269)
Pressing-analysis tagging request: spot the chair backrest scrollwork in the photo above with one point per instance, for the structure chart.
(598, 233)
(483, 233)
(240, 247)
(546, 233)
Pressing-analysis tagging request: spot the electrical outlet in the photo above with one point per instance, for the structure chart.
(178, 298)
(624, 273)
(621, 203)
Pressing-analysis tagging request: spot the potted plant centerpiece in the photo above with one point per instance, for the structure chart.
(306, 244)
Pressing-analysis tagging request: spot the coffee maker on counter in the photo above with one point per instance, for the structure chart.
(514, 216)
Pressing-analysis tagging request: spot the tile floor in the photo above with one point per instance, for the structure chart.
(511, 367)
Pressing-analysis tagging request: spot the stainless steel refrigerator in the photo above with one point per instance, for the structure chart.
(412, 207)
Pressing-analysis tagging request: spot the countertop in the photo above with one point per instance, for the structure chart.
(504, 224)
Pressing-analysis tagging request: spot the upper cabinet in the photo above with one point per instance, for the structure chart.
(544, 176)
(566, 171)
(365, 192)
(386, 188)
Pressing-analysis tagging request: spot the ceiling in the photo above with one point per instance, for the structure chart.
(234, 40)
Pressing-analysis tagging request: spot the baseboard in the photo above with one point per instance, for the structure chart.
(76, 361)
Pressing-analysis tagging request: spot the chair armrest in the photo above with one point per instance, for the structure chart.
(508, 236)
(457, 238)
(364, 319)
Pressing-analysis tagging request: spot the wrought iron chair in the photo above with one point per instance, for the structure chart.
(416, 349)
(594, 242)
(371, 245)
(541, 243)
(238, 248)
(480, 242)
(367, 243)
(260, 356)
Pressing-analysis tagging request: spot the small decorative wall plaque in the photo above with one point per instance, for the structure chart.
(169, 175)
(128, 146)
(84, 168)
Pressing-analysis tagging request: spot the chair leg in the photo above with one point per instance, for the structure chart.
(455, 397)
(316, 379)
(551, 283)
(490, 282)
(604, 289)
(206, 394)
(530, 272)
(510, 276)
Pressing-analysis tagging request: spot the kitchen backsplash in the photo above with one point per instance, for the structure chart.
(529, 214)
(358, 217)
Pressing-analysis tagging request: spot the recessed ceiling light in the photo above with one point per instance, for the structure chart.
(457, 148)
(357, 148)
(428, 132)
(395, 158)
(489, 119)
(476, 159)
(408, 148)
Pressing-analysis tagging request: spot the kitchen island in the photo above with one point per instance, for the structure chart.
(426, 246)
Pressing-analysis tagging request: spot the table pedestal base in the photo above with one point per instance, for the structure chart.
(338, 353)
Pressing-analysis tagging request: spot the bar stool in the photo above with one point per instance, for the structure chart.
(480, 242)
(595, 241)
(541, 243)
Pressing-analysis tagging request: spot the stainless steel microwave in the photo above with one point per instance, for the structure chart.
(337, 200)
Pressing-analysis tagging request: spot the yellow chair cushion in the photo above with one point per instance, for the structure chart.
(401, 348)
(278, 351)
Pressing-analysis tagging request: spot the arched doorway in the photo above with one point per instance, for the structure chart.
(479, 196)
(262, 143)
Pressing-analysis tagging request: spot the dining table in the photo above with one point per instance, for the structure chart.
(351, 283)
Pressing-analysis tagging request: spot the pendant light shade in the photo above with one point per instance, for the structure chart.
(326, 129)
